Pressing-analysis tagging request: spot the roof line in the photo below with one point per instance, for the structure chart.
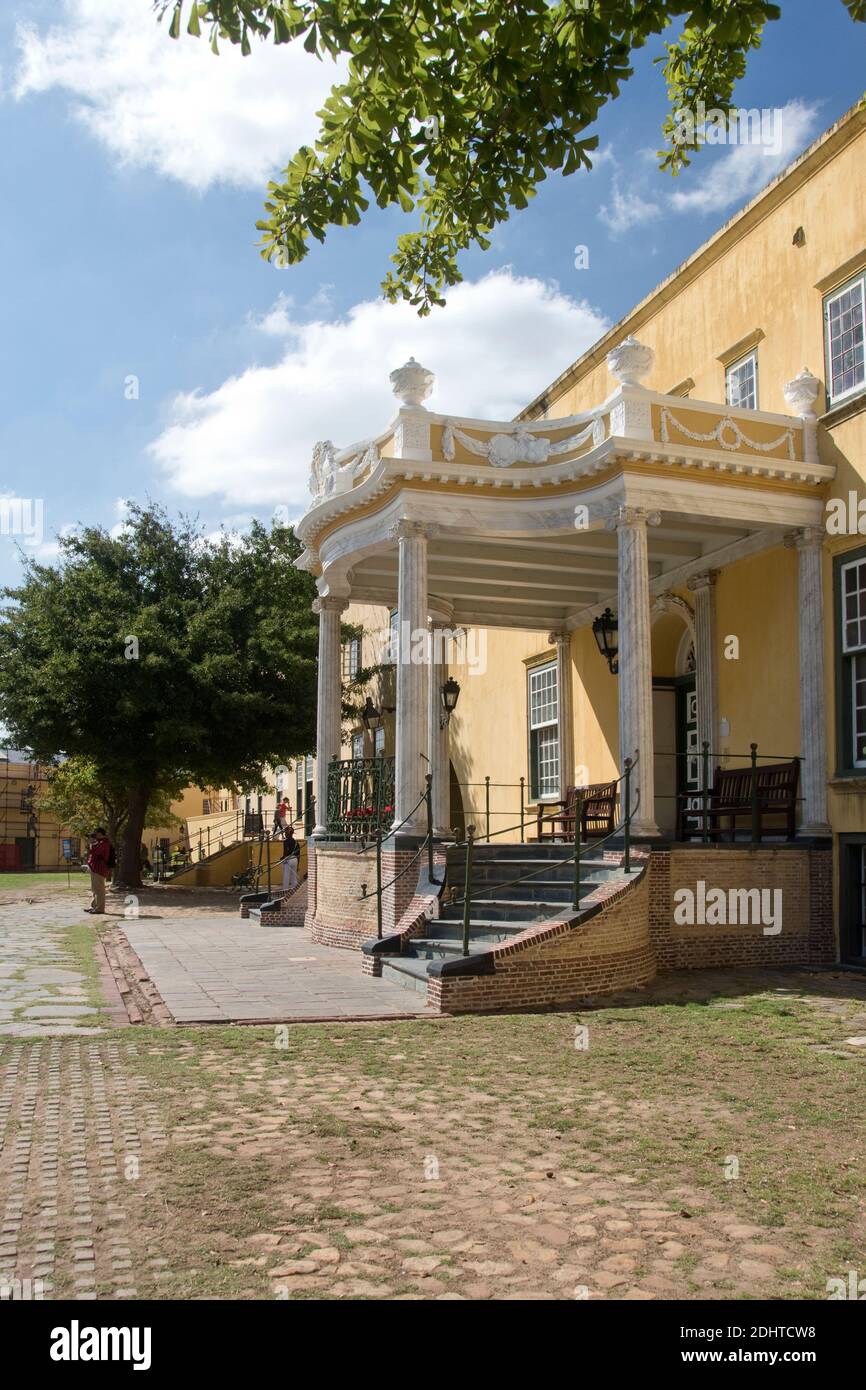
(819, 153)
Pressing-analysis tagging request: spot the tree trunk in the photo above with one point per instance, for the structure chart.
(129, 857)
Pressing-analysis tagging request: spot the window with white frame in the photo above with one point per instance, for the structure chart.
(351, 658)
(357, 745)
(543, 709)
(853, 614)
(308, 768)
(843, 339)
(379, 741)
(741, 382)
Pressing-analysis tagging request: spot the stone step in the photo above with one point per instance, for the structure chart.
(558, 891)
(406, 971)
(479, 930)
(542, 871)
(508, 910)
(436, 948)
(483, 852)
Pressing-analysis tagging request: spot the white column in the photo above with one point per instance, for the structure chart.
(635, 660)
(703, 586)
(813, 725)
(413, 677)
(330, 611)
(562, 641)
(437, 734)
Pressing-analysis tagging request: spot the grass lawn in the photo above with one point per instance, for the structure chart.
(79, 882)
(711, 1149)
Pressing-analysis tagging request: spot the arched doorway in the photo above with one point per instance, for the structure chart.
(675, 716)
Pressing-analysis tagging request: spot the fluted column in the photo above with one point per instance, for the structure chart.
(703, 586)
(413, 677)
(330, 610)
(437, 734)
(813, 721)
(635, 659)
(562, 641)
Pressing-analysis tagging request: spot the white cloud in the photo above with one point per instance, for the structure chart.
(626, 210)
(501, 340)
(744, 169)
(172, 105)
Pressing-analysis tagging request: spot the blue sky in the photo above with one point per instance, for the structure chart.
(133, 171)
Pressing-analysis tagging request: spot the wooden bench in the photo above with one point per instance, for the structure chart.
(596, 815)
(730, 800)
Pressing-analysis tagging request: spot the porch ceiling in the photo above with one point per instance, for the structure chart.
(543, 582)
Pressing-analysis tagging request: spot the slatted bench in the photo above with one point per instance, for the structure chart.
(596, 816)
(730, 800)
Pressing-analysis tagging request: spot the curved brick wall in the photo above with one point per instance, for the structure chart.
(338, 914)
(556, 964)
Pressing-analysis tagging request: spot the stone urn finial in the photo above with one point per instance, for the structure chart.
(802, 392)
(412, 384)
(630, 361)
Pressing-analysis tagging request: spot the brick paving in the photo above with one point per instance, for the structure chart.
(468, 1159)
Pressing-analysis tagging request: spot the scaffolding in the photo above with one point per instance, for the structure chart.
(28, 840)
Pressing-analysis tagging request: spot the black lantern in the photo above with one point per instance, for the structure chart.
(450, 693)
(605, 630)
(371, 716)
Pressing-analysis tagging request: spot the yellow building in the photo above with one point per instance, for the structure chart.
(691, 492)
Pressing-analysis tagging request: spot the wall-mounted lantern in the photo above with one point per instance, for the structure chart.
(605, 630)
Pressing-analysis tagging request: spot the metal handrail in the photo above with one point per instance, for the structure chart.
(426, 843)
(623, 828)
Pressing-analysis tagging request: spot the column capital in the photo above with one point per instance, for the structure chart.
(559, 639)
(632, 518)
(406, 530)
(806, 538)
(329, 603)
(700, 583)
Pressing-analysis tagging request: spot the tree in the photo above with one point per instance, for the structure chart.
(460, 108)
(79, 799)
(162, 659)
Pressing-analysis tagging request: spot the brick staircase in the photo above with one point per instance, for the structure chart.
(501, 909)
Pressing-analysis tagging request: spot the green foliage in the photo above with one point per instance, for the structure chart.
(220, 678)
(459, 109)
(79, 799)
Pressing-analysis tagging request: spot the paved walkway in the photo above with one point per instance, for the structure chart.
(214, 968)
(46, 975)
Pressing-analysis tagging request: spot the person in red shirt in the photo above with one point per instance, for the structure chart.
(99, 864)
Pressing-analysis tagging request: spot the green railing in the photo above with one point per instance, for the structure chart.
(623, 829)
(360, 797)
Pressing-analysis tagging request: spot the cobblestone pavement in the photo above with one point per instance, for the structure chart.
(486, 1158)
(214, 968)
(46, 970)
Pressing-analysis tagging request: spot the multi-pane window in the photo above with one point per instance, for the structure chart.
(308, 768)
(543, 699)
(299, 786)
(379, 742)
(357, 745)
(351, 658)
(843, 339)
(853, 598)
(741, 383)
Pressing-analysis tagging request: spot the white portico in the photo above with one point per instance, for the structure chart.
(467, 523)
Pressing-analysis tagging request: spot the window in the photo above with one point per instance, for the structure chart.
(852, 600)
(308, 768)
(379, 742)
(394, 636)
(543, 700)
(351, 658)
(205, 806)
(741, 383)
(299, 776)
(843, 339)
(357, 745)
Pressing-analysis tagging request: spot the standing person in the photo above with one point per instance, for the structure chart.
(281, 815)
(291, 855)
(100, 866)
